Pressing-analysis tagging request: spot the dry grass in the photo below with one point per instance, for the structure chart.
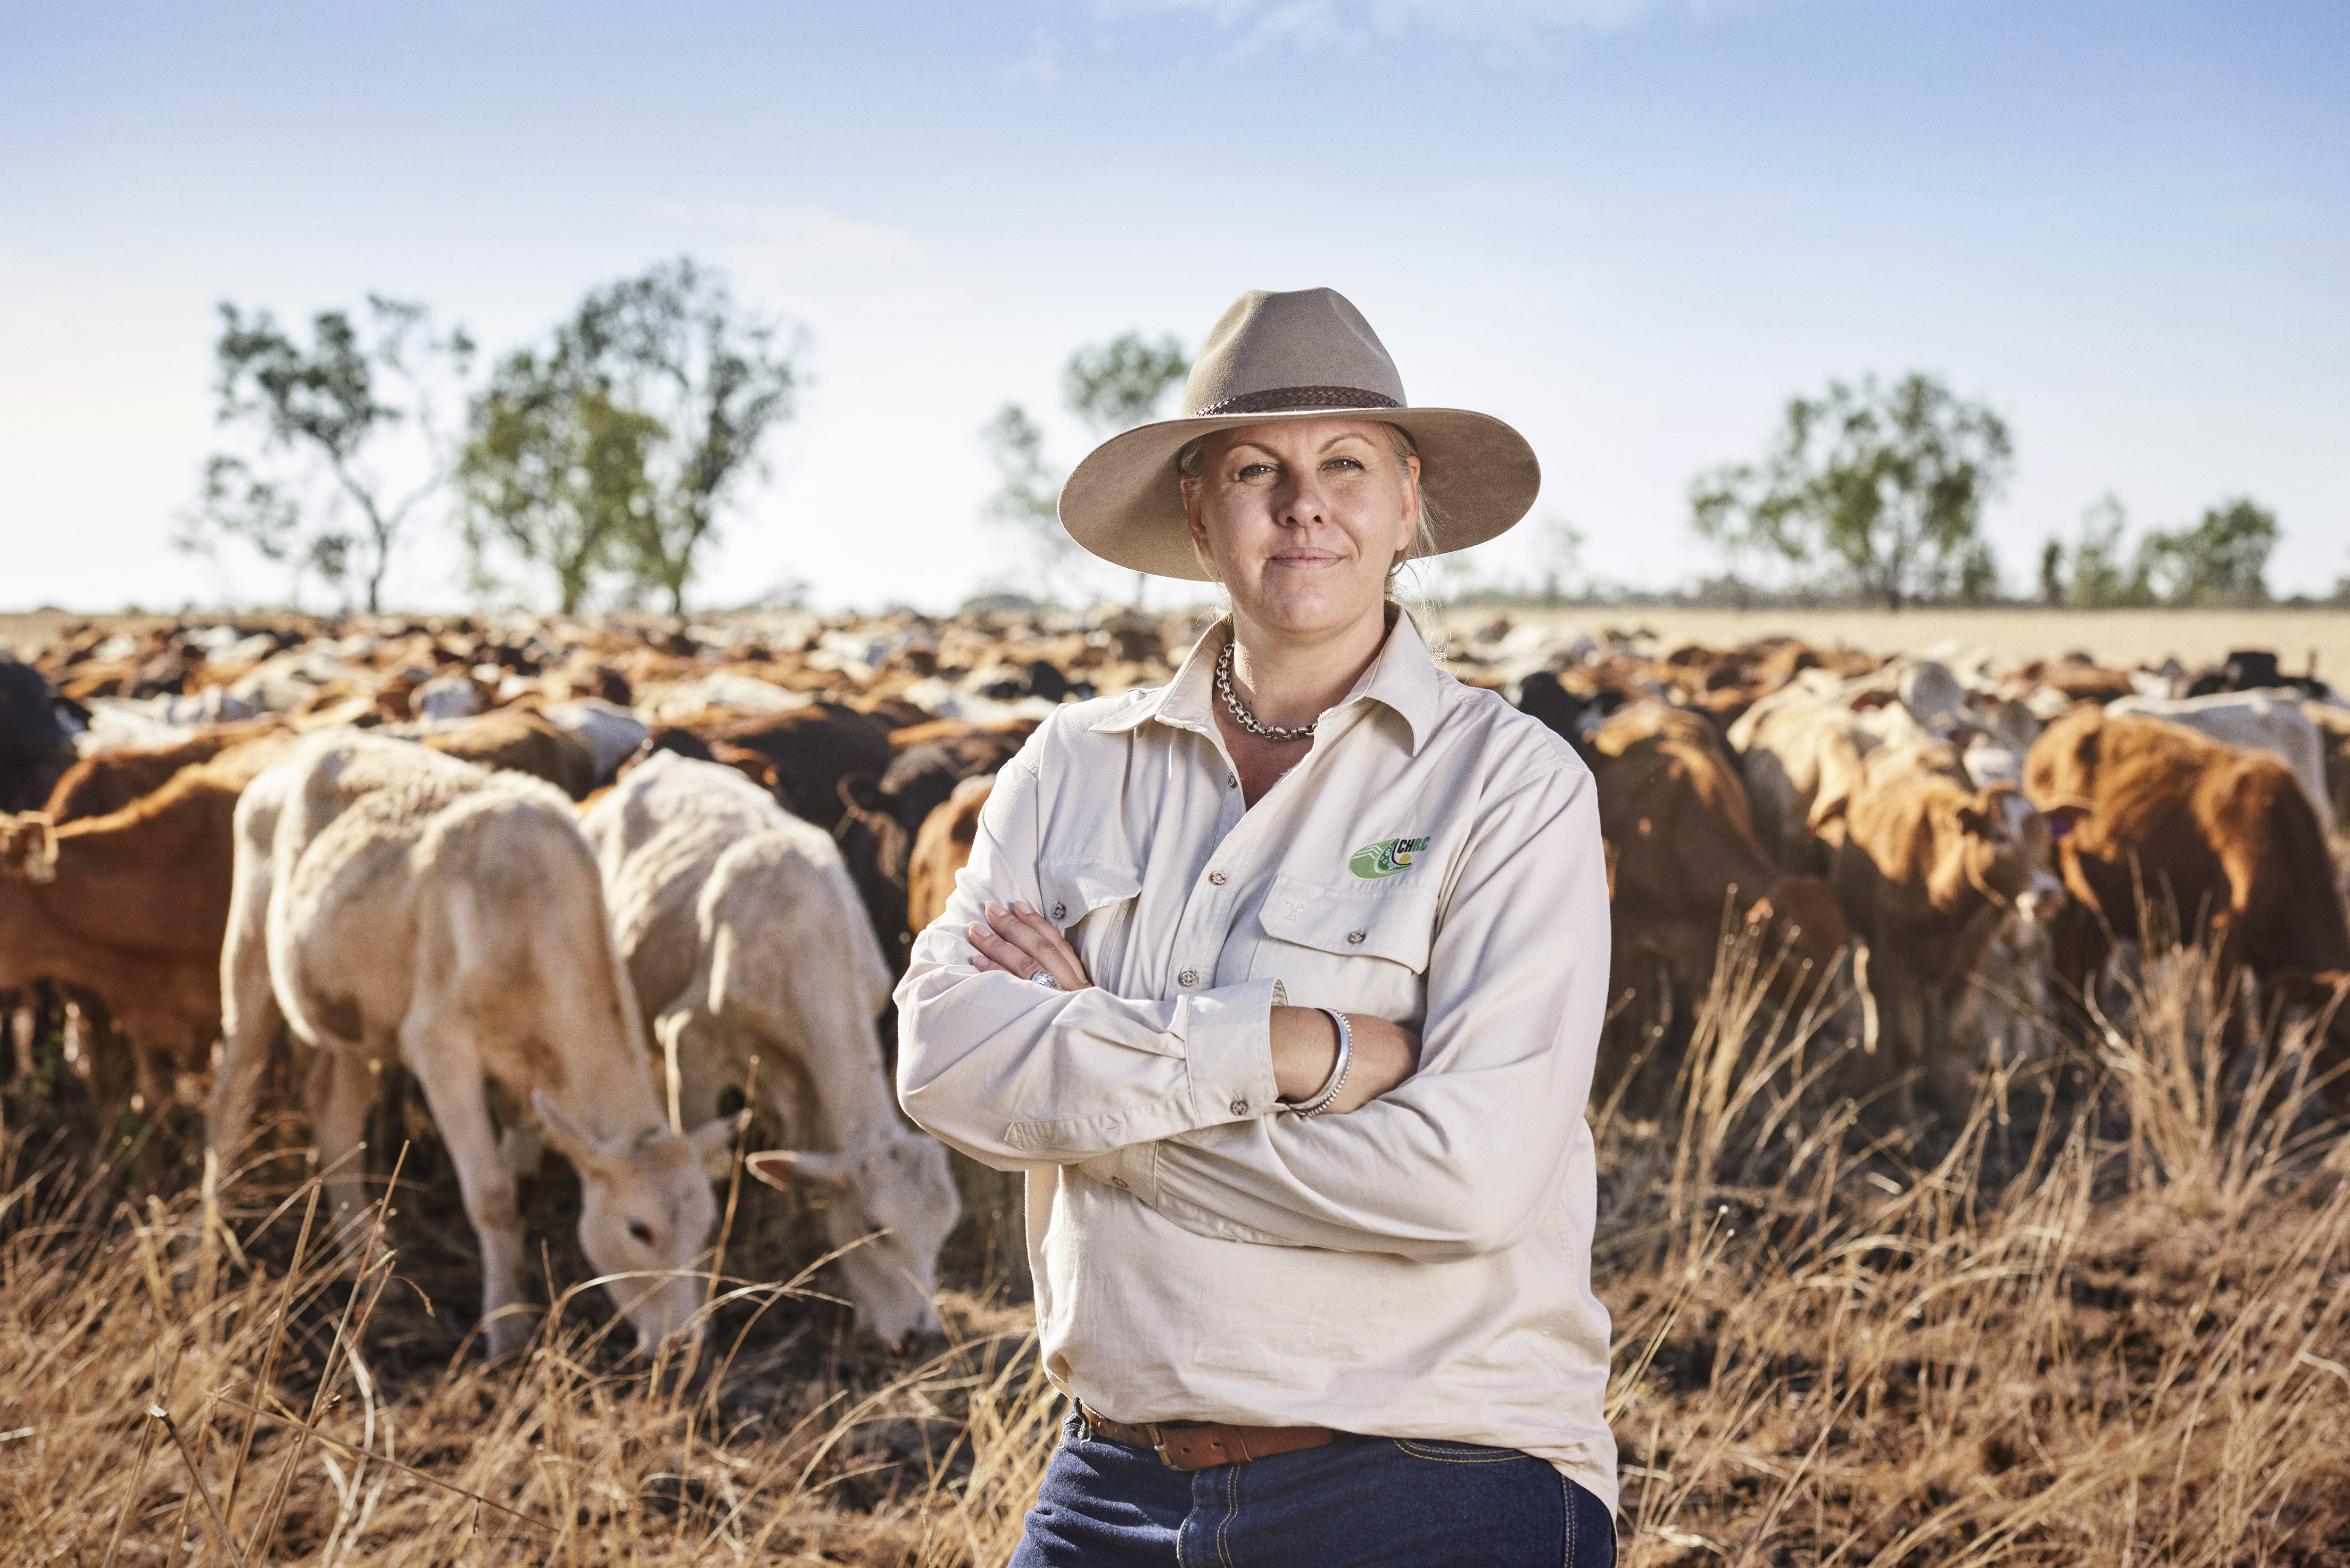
(2103, 1322)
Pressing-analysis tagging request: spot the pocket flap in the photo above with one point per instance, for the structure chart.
(1074, 888)
(1388, 922)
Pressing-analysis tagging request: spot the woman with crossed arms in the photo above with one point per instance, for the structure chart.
(1282, 983)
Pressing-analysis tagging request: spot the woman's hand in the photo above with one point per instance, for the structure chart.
(1018, 940)
(1305, 1049)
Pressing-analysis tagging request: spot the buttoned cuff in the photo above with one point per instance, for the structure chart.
(1227, 1037)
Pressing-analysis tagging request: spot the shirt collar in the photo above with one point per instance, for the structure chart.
(1403, 678)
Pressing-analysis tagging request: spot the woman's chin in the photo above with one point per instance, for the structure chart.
(1303, 603)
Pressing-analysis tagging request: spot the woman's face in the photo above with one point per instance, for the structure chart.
(1302, 519)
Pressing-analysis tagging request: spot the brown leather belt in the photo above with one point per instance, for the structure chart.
(1206, 1444)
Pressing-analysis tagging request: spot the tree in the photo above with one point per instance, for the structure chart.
(1118, 385)
(1028, 498)
(325, 408)
(711, 378)
(1890, 481)
(2222, 560)
(1113, 386)
(556, 473)
(2100, 578)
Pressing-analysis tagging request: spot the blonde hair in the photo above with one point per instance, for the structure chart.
(1192, 466)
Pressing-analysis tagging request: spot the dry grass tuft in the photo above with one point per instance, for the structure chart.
(2103, 1321)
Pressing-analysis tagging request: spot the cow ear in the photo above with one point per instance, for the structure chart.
(714, 1136)
(861, 792)
(28, 848)
(572, 1141)
(789, 1167)
(2063, 815)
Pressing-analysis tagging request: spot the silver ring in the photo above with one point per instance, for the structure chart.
(1044, 978)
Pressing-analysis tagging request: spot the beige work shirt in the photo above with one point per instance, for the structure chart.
(1420, 1267)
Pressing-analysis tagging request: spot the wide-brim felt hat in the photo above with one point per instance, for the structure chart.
(1305, 353)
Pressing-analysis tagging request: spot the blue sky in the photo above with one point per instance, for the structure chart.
(1632, 227)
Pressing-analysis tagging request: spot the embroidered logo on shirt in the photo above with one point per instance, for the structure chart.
(1386, 858)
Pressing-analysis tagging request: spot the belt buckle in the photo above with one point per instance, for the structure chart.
(1158, 1445)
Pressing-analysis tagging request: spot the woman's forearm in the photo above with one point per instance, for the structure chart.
(1306, 1052)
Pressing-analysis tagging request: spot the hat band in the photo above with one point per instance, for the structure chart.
(1281, 399)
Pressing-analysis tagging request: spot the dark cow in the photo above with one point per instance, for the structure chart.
(34, 749)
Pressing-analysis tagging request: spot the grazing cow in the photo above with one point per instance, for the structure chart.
(392, 903)
(109, 779)
(1930, 872)
(2224, 836)
(2250, 722)
(884, 816)
(942, 849)
(34, 749)
(129, 908)
(520, 739)
(748, 949)
(1801, 758)
(1672, 810)
(813, 749)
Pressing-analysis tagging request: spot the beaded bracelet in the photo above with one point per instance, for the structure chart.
(1329, 1091)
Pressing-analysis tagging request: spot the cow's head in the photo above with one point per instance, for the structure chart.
(891, 1202)
(1996, 843)
(645, 1210)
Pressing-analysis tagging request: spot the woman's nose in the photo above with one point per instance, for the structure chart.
(1303, 504)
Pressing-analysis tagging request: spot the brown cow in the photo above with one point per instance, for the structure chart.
(524, 740)
(2224, 836)
(813, 749)
(942, 849)
(1682, 847)
(108, 781)
(1931, 873)
(130, 906)
(1801, 759)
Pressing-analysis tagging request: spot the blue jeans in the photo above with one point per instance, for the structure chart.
(1395, 1502)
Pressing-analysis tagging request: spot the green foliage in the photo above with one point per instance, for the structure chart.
(1890, 482)
(710, 379)
(324, 410)
(1113, 386)
(1118, 385)
(556, 472)
(2221, 561)
(1028, 497)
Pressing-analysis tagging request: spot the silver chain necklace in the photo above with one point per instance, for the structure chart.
(1246, 720)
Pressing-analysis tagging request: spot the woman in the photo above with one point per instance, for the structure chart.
(1283, 983)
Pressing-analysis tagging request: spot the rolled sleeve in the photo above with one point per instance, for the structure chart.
(1018, 1075)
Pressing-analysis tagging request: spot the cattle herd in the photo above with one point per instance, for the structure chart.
(592, 883)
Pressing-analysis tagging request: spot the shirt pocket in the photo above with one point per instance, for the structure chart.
(1093, 902)
(1357, 950)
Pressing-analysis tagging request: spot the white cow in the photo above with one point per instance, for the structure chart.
(757, 968)
(2250, 722)
(388, 900)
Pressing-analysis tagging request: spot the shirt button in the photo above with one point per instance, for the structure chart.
(1189, 977)
(1240, 1107)
(1356, 937)
(1216, 878)
(1119, 1182)
(1059, 910)
(1232, 781)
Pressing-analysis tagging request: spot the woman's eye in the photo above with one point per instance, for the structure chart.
(642, 1231)
(1343, 462)
(1251, 470)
